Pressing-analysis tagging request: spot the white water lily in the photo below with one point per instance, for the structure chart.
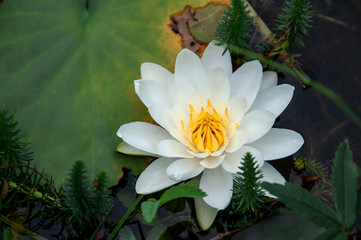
(209, 118)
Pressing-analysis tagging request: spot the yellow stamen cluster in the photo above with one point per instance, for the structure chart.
(207, 130)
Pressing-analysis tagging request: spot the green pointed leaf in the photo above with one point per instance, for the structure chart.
(157, 231)
(305, 203)
(358, 200)
(344, 182)
(332, 234)
(149, 209)
(125, 233)
(68, 68)
(285, 226)
(189, 189)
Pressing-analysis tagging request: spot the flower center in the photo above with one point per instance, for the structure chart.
(207, 130)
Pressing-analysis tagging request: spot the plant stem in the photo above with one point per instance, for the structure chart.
(278, 43)
(20, 228)
(268, 36)
(305, 80)
(124, 218)
(334, 20)
(101, 223)
(32, 192)
(259, 24)
(41, 175)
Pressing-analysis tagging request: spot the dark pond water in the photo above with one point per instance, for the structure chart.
(332, 57)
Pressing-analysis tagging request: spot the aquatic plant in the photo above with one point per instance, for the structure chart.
(22, 184)
(209, 118)
(88, 204)
(235, 26)
(337, 224)
(247, 193)
(294, 19)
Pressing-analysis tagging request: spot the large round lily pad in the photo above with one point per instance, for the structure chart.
(67, 70)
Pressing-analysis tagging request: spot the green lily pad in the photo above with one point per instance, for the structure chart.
(67, 70)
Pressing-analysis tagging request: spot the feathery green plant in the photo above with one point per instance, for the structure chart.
(338, 224)
(87, 203)
(293, 20)
(12, 149)
(22, 184)
(247, 194)
(235, 26)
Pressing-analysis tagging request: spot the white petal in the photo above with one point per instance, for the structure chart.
(246, 81)
(154, 178)
(197, 101)
(178, 115)
(184, 169)
(238, 139)
(155, 72)
(217, 184)
(172, 148)
(278, 143)
(219, 152)
(217, 86)
(152, 93)
(238, 106)
(274, 99)
(144, 136)
(232, 161)
(205, 213)
(179, 135)
(211, 162)
(180, 91)
(162, 115)
(190, 66)
(213, 57)
(127, 149)
(269, 79)
(270, 174)
(199, 154)
(221, 106)
(257, 123)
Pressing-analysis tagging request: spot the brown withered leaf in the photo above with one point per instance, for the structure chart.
(180, 25)
(197, 26)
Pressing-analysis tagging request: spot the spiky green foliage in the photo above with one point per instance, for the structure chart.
(12, 149)
(344, 181)
(87, 203)
(102, 193)
(293, 20)
(235, 27)
(315, 167)
(247, 194)
(22, 185)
